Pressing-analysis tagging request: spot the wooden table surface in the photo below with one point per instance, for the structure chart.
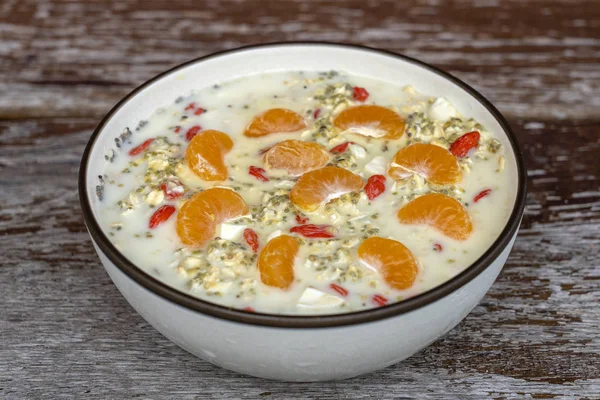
(66, 332)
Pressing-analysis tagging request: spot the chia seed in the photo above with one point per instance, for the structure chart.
(100, 192)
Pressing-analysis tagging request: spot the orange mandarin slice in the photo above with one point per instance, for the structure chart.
(275, 120)
(369, 120)
(205, 155)
(276, 261)
(392, 259)
(296, 157)
(432, 162)
(199, 217)
(322, 185)
(440, 212)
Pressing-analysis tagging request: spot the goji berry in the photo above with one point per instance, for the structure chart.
(199, 111)
(301, 219)
(375, 186)
(249, 309)
(258, 173)
(314, 231)
(481, 195)
(161, 215)
(437, 247)
(139, 149)
(193, 131)
(177, 129)
(340, 148)
(251, 238)
(342, 291)
(461, 146)
(172, 191)
(380, 300)
(190, 106)
(317, 113)
(359, 94)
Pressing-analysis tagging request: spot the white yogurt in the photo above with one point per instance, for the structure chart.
(229, 107)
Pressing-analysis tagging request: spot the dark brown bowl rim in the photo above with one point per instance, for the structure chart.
(293, 321)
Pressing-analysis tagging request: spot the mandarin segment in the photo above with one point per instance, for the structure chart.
(296, 157)
(392, 259)
(276, 261)
(432, 162)
(440, 212)
(319, 186)
(205, 155)
(273, 121)
(199, 217)
(370, 120)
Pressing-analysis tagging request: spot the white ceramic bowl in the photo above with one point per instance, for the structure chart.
(298, 348)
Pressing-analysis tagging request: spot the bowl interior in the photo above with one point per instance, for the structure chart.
(399, 71)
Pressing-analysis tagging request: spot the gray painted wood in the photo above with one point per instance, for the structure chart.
(66, 332)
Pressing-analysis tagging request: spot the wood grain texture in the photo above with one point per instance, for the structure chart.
(533, 59)
(66, 332)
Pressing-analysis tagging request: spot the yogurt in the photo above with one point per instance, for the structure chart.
(328, 275)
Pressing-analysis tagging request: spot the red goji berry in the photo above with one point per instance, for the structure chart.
(177, 129)
(481, 195)
(437, 247)
(380, 300)
(139, 149)
(461, 146)
(313, 231)
(249, 309)
(173, 191)
(161, 215)
(193, 131)
(342, 291)
(359, 94)
(190, 106)
(340, 148)
(317, 113)
(199, 111)
(301, 219)
(375, 186)
(258, 173)
(251, 238)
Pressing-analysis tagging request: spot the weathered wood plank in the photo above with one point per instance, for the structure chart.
(534, 59)
(66, 331)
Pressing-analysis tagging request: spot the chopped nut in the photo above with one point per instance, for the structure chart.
(501, 162)
(155, 197)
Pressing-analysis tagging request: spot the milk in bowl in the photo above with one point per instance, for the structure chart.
(305, 192)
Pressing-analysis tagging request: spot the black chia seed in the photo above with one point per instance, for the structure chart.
(141, 124)
(100, 192)
(125, 135)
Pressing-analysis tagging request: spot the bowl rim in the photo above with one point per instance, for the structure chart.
(305, 321)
